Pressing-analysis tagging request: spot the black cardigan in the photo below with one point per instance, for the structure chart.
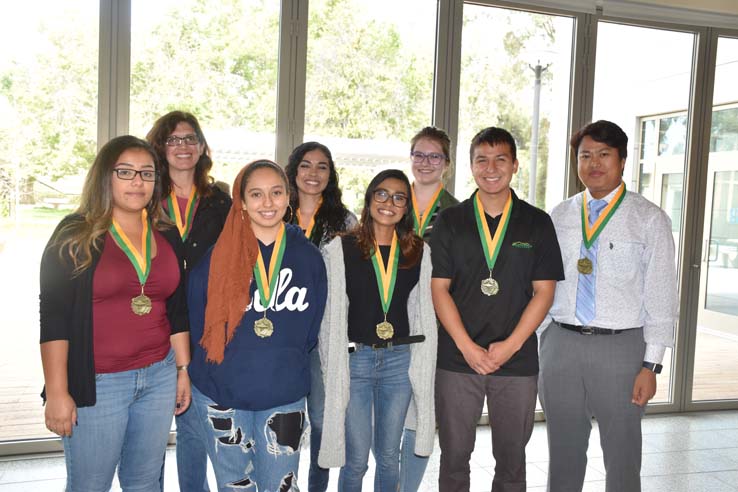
(209, 219)
(66, 310)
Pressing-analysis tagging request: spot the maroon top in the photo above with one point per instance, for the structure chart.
(124, 340)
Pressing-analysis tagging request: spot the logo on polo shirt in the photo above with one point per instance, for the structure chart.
(522, 245)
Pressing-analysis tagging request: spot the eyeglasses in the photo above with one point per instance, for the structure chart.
(398, 199)
(190, 139)
(130, 174)
(434, 158)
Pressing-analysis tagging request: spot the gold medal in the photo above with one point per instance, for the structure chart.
(491, 245)
(490, 287)
(263, 327)
(266, 282)
(385, 330)
(584, 266)
(386, 278)
(141, 304)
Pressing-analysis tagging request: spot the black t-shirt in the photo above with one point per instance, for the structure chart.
(365, 306)
(530, 251)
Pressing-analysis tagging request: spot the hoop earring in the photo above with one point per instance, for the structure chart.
(243, 219)
(292, 213)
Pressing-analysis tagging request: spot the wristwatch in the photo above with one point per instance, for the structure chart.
(656, 368)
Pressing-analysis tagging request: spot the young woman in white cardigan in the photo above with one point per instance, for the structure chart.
(378, 339)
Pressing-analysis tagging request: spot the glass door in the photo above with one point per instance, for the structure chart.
(715, 375)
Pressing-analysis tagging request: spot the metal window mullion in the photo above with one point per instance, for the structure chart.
(447, 74)
(581, 97)
(114, 68)
(293, 33)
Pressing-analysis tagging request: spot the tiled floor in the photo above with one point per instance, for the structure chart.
(695, 452)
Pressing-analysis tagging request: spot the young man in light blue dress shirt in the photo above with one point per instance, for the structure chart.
(612, 318)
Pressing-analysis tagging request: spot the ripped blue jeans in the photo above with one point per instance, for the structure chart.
(252, 450)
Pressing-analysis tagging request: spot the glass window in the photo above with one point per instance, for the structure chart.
(672, 135)
(642, 72)
(509, 58)
(369, 84)
(724, 130)
(217, 60)
(48, 132)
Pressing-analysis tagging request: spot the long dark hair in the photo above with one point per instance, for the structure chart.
(411, 245)
(158, 136)
(78, 239)
(332, 215)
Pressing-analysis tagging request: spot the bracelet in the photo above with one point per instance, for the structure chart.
(182, 368)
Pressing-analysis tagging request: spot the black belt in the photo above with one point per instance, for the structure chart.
(388, 343)
(592, 330)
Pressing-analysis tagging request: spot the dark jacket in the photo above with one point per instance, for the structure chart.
(209, 218)
(66, 310)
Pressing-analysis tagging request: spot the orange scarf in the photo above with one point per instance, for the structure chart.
(231, 269)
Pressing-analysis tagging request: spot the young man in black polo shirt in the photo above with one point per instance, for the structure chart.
(496, 261)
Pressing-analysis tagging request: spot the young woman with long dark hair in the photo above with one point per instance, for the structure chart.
(114, 341)
(316, 206)
(377, 339)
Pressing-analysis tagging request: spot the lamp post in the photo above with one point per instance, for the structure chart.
(538, 70)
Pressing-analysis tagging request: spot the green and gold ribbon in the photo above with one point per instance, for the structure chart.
(386, 277)
(309, 229)
(591, 233)
(266, 280)
(140, 261)
(422, 221)
(492, 245)
(176, 215)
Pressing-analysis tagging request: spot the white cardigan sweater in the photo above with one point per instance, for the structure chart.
(333, 346)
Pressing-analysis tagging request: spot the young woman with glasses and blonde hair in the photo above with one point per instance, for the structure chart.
(377, 339)
(199, 209)
(114, 324)
(430, 151)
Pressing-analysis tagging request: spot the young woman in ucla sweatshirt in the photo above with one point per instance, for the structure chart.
(256, 302)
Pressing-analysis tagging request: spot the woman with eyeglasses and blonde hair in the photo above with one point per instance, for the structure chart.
(255, 301)
(199, 209)
(114, 324)
(316, 206)
(378, 339)
(430, 151)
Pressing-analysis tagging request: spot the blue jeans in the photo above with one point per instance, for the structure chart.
(252, 450)
(128, 427)
(379, 386)
(412, 466)
(192, 456)
(317, 476)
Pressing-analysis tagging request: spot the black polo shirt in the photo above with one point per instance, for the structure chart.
(530, 251)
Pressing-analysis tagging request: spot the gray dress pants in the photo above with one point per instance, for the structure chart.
(585, 376)
(511, 402)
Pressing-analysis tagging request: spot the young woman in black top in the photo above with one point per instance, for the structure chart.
(379, 309)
